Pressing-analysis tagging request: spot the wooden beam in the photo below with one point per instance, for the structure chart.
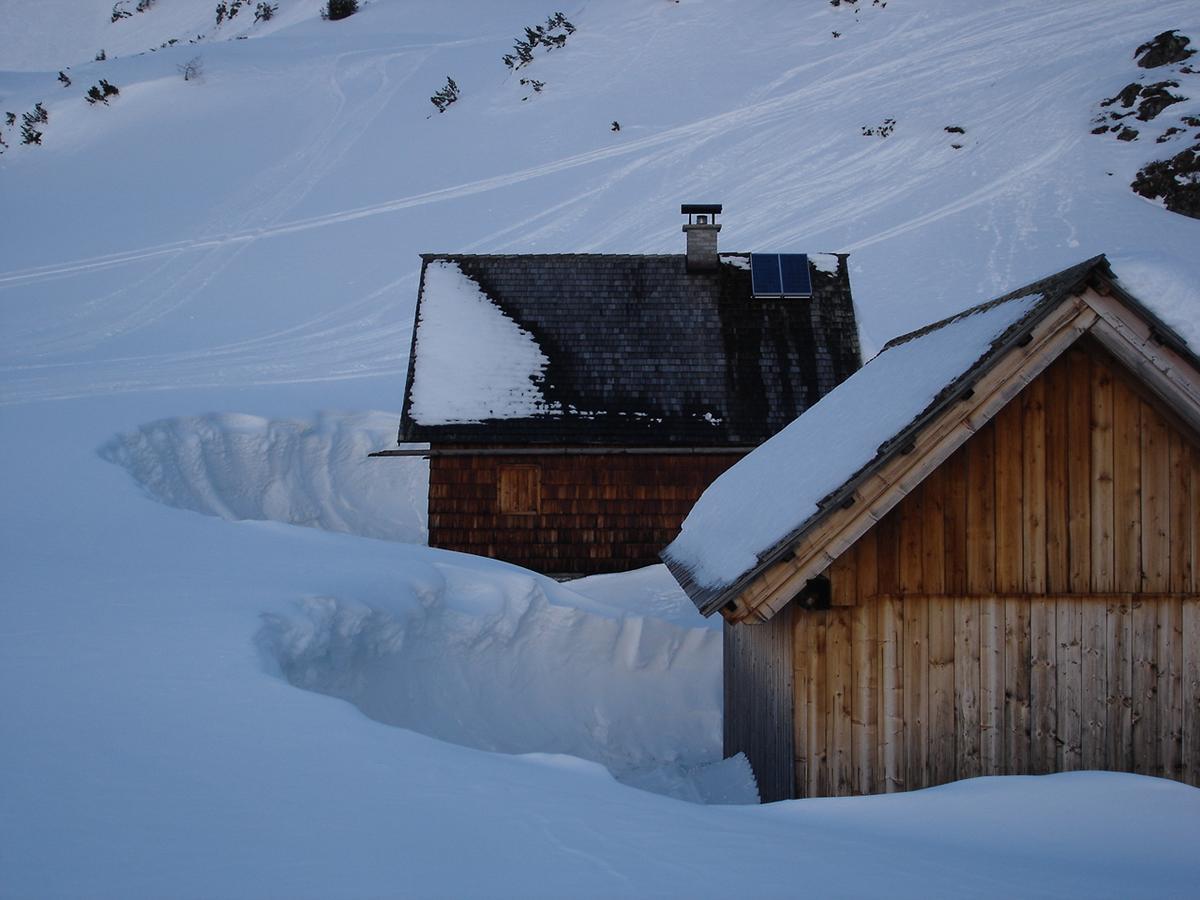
(1132, 341)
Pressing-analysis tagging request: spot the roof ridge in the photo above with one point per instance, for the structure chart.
(1069, 277)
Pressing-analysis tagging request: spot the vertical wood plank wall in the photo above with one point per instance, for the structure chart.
(594, 513)
(1033, 606)
(758, 682)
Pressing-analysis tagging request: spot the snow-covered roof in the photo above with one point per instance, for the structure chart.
(619, 349)
(759, 508)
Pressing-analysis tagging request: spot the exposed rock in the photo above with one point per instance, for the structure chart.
(1175, 180)
(1156, 98)
(1126, 96)
(1127, 134)
(1168, 47)
(955, 129)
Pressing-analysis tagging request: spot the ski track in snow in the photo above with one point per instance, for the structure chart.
(351, 342)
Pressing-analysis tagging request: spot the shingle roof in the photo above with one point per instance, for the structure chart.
(789, 486)
(642, 352)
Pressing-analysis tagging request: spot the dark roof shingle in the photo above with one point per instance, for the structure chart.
(643, 352)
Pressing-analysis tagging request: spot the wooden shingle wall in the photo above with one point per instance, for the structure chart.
(1033, 606)
(595, 513)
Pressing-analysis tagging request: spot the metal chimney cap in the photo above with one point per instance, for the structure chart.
(689, 209)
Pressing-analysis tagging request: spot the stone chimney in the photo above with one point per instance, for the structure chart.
(701, 231)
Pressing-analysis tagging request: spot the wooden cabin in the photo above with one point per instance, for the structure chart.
(576, 405)
(1006, 583)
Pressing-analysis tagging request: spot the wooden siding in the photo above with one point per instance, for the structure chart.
(759, 681)
(1032, 606)
(914, 716)
(1081, 485)
(596, 513)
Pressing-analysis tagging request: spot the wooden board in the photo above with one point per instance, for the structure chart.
(1018, 684)
(891, 655)
(967, 667)
(864, 718)
(916, 692)
(1144, 645)
(1190, 688)
(1043, 685)
(941, 734)
(992, 661)
(1118, 741)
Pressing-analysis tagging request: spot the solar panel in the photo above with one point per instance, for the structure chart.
(765, 280)
(780, 275)
(794, 269)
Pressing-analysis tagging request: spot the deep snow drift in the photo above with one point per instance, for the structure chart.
(189, 271)
(246, 467)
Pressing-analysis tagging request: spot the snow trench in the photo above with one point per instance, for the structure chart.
(483, 656)
(315, 473)
(620, 671)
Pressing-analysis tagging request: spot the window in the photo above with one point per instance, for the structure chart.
(520, 490)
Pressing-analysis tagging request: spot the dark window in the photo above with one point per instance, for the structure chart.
(520, 490)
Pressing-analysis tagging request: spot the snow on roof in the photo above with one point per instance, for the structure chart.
(472, 361)
(771, 492)
(824, 262)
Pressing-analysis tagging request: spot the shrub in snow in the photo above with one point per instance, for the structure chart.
(10, 118)
(447, 95)
(101, 56)
(883, 129)
(144, 5)
(62, 76)
(339, 9)
(265, 11)
(30, 133)
(119, 11)
(553, 34)
(615, 126)
(191, 69)
(99, 93)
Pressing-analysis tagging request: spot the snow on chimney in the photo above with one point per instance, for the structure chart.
(701, 231)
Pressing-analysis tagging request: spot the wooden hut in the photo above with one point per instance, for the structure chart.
(977, 556)
(576, 405)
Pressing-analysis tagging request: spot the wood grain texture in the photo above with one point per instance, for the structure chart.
(1031, 607)
(579, 514)
(857, 699)
(758, 683)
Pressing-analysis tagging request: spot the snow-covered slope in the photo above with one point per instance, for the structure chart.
(191, 272)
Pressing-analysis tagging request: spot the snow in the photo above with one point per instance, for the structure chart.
(473, 362)
(824, 262)
(316, 474)
(191, 275)
(769, 493)
(1174, 290)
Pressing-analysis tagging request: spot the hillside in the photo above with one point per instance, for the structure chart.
(207, 288)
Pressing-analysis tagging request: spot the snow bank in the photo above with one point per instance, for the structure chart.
(315, 474)
(473, 361)
(769, 493)
(493, 657)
